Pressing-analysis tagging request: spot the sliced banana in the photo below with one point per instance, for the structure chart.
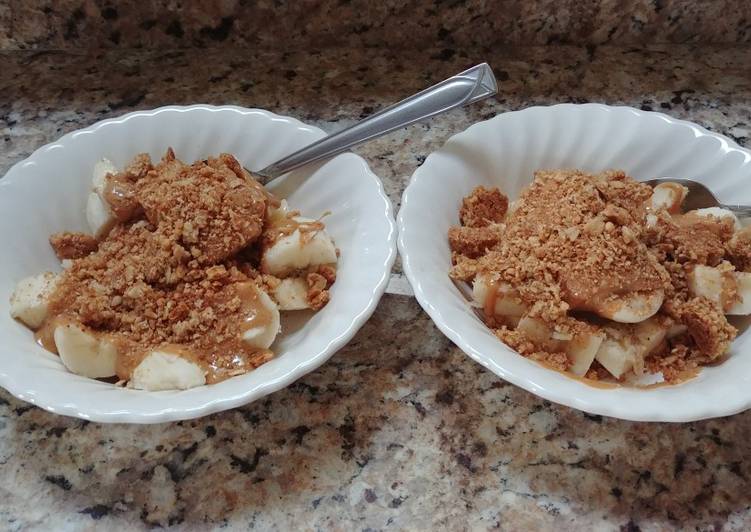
(292, 294)
(507, 302)
(631, 308)
(718, 212)
(99, 215)
(85, 353)
(650, 334)
(163, 370)
(625, 346)
(30, 300)
(581, 351)
(262, 323)
(743, 287)
(616, 356)
(540, 334)
(713, 283)
(668, 196)
(706, 281)
(297, 252)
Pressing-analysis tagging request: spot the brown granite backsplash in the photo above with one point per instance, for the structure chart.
(445, 24)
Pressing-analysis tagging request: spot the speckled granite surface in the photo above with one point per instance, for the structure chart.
(450, 25)
(399, 430)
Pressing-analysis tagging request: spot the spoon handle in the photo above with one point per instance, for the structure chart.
(743, 211)
(469, 86)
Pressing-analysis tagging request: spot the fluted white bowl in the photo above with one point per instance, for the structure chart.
(47, 193)
(505, 151)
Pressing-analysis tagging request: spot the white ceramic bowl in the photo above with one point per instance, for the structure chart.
(47, 193)
(504, 152)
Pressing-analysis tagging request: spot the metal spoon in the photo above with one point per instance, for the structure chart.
(470, 86)
(700, 197)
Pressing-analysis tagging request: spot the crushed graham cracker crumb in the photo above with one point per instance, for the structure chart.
(67, 245)
(482, 207)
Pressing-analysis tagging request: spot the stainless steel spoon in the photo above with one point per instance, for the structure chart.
(470, 86)
(700, 197)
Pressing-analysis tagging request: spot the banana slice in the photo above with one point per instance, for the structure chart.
(615, 356)
(540, 334)
(298, 251)
(632, 308)
(507, 303)
(706, 281)
(163, 370)
(83, 352)
(669, 196)
(30, 300)
(715, 284)
(743, 286)
(98, 212)
(292, 294)
(262, 323)
(718, 212)
(581, 351)
(650, 334)
(625, 346)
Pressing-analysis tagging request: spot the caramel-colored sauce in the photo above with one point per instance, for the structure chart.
(287, 225)
(119, 193)
(45, 335)
(255, 312)
(232, 360)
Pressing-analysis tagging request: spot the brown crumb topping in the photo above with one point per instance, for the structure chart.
(67, 245)
(473, 242)
(482, 207)
(210, 207)
(707, 326)
(738, 249)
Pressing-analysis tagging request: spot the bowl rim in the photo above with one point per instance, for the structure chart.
(735, 404)
(168, 413)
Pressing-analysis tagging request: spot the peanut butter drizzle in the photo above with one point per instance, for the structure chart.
(45, 335)
(288, 225)
(256, 313)
(120, 196)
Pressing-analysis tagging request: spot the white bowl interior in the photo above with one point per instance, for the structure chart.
(47, 193)
(504, 152)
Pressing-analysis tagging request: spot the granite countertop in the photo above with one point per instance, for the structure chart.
(399, 430)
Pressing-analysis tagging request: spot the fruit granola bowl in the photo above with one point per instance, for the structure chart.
(525, 277)
(171, 285)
